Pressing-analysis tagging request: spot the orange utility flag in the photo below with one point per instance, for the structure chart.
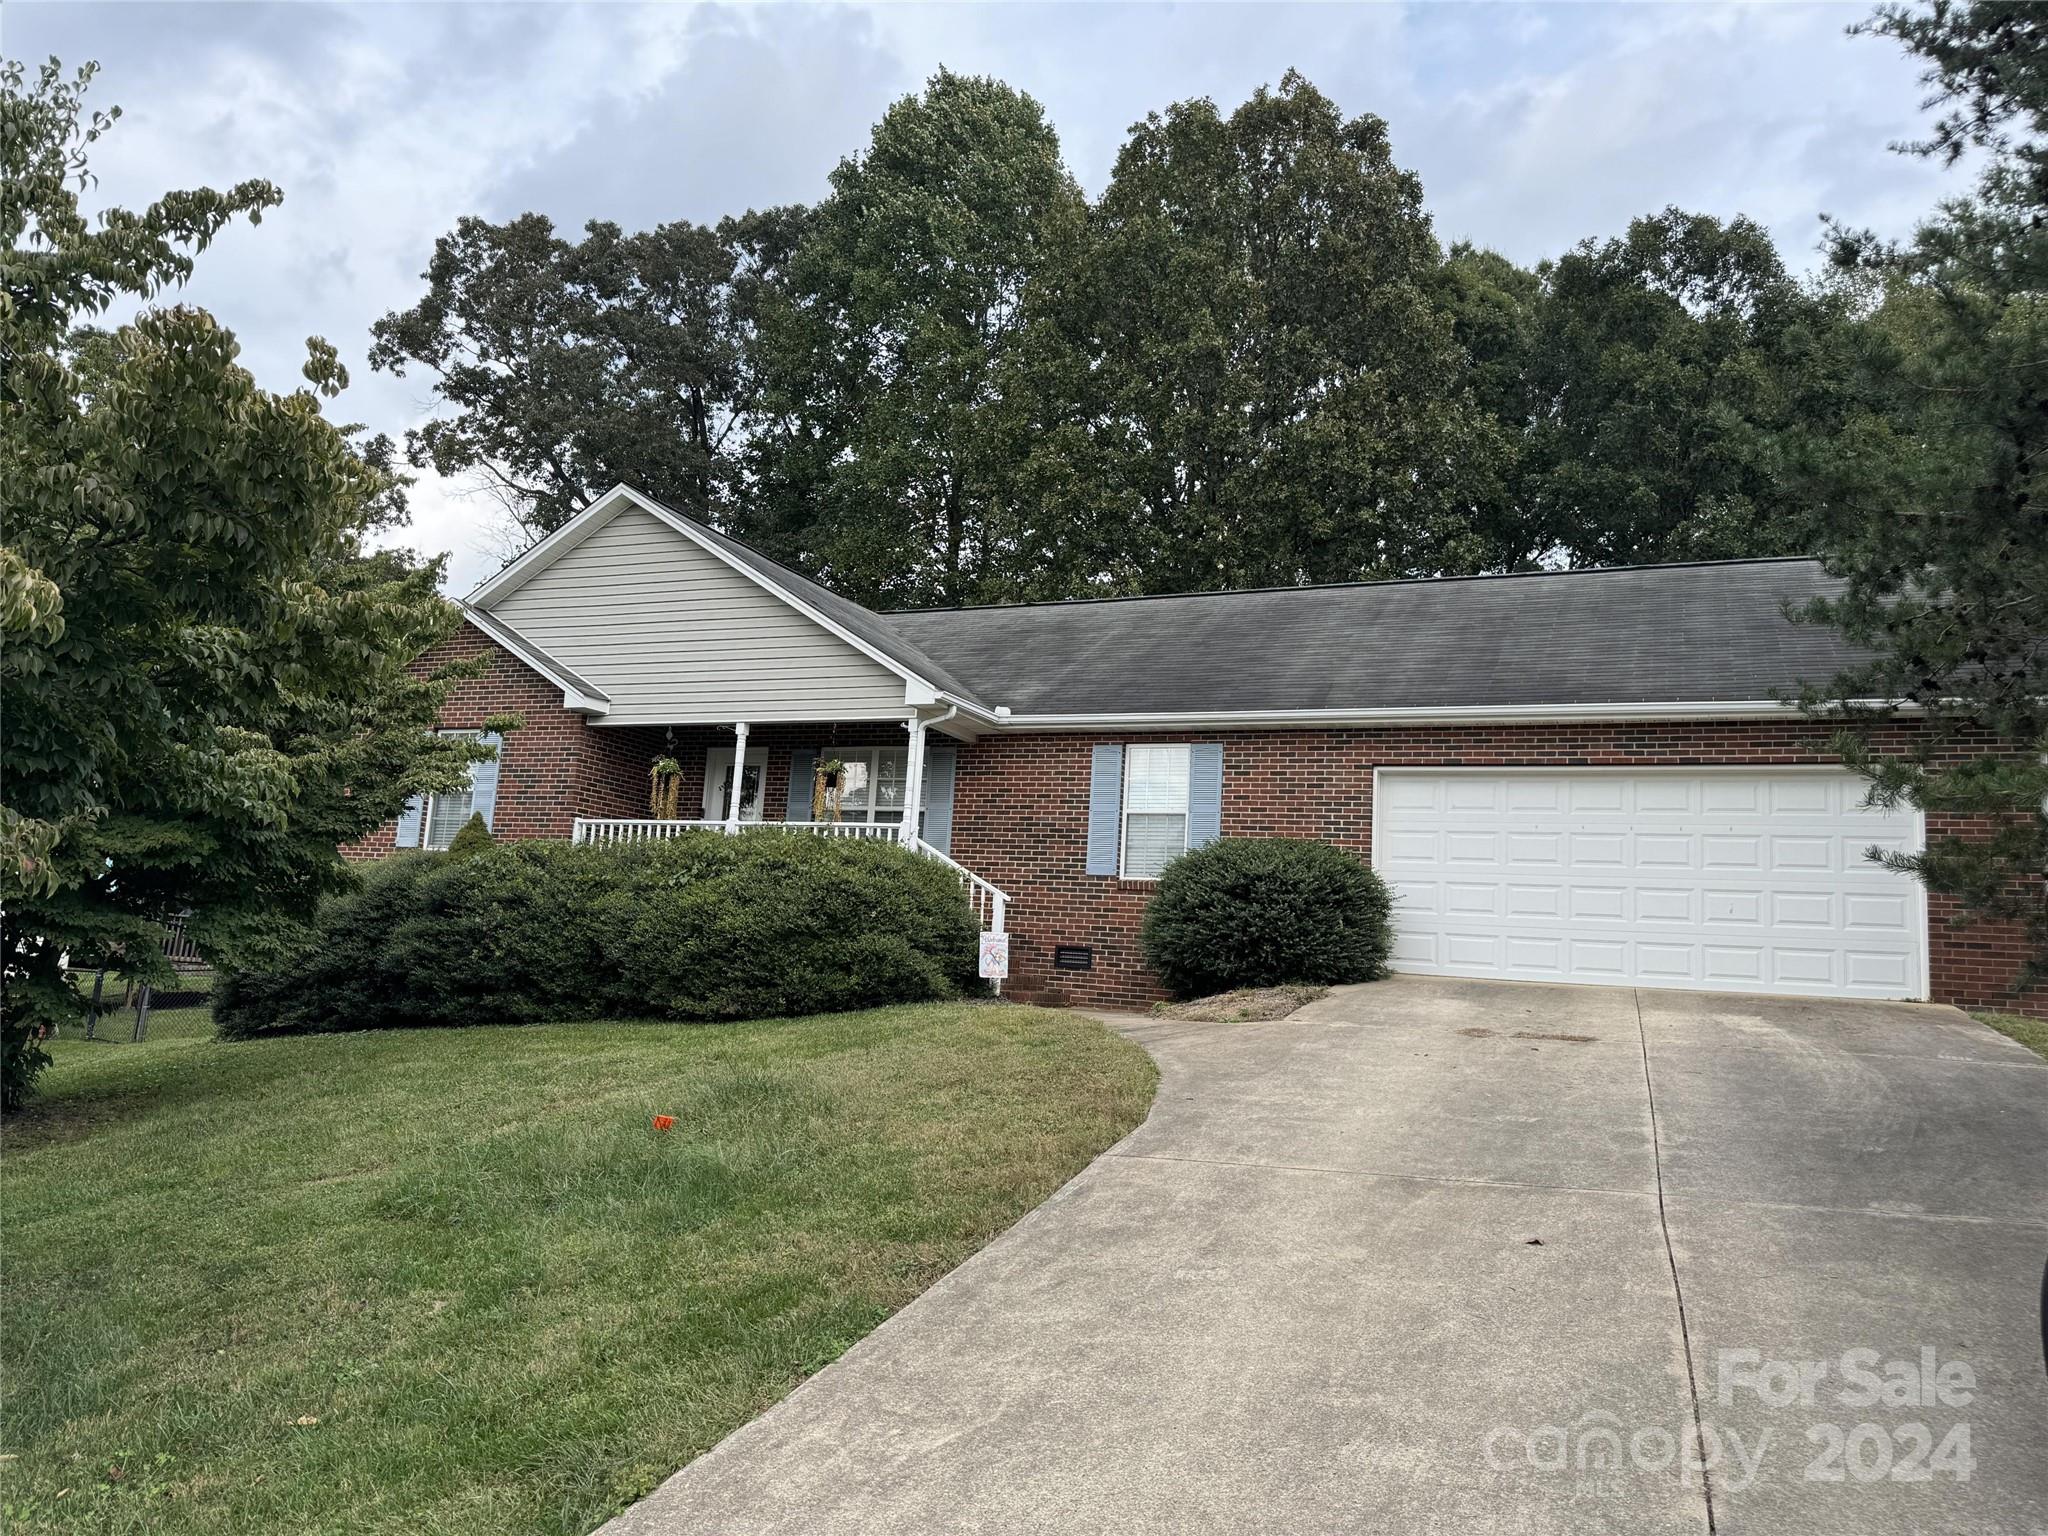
(664, 1122)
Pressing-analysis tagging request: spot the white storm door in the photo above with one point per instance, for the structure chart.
(1739, 880)
(718, 763)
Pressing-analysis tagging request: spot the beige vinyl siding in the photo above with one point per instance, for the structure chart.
(675, 635)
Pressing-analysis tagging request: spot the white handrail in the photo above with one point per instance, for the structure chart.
(634, 829)
(990, 904)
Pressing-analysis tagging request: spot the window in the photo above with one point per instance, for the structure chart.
(871, 788)
(447, 812)
(1155, 809)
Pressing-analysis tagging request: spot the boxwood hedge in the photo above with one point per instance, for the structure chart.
(703, 926)
(1256, 912)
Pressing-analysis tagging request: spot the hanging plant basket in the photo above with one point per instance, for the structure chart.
(825, 788)
(664, 789)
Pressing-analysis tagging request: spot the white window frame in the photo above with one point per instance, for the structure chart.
(1123, 829)
(427, 844)
(872, 756)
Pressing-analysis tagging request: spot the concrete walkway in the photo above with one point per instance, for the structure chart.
(1462, 1257)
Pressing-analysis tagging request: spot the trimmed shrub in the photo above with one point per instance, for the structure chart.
(470, 837)
(698, 927)
(1257, 912)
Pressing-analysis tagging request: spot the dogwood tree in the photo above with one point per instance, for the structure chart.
(203, 674)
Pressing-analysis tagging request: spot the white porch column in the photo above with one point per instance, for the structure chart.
(913, 782)
(739, 779)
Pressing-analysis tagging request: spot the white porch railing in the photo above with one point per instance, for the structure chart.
(624, 829)
(991, 905)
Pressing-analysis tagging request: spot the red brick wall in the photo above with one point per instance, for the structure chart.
(558, 765)
(1021, 807)
(1021, 813)
(539, 763)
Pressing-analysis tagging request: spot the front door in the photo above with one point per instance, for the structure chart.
(718, 785)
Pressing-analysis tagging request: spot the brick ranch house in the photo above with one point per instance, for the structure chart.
(1572, 777)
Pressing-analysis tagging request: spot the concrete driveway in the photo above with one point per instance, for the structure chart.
(1443, 1256)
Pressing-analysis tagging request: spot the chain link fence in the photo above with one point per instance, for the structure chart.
(121, 1009)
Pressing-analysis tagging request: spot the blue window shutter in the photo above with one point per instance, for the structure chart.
(1205, 792)
(409, 821)
(1105, 808)
(803, 778)
(939, 763)
(483, 779)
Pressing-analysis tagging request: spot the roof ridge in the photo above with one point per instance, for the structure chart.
(1345, 586)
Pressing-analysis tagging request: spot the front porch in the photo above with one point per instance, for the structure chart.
(894, 783)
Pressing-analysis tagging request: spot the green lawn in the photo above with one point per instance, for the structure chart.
(453, 1281)
(2032, 1033)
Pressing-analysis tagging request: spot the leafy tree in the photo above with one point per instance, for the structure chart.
(1663, 373)
(1495, 307)
(204, 679)
(898, 392)
(572, 367)
(1936, 505)
(1282, 397)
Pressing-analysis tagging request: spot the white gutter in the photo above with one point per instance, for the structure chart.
(577, 693)
(1463, 714)
(979, 712)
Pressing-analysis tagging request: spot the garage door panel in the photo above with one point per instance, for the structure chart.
(1534, 795)
(1531, 952)
(1481, 848)
(1666, 797)
(1865, 913)
(1481, 951)
(1807, 853)
(1803, 797)
(1803, 909)
(1416, 898)
(1605, 959)
(1744, 881)
(1731, 850)
(1725, 963)
(1725, 796)
(1597, 795)
(1666, 904)
(1410, 794)
(1597, 850)
(1465, 898)
(1544, 850)
(1411, 847)
(1474, 795)
(1877, 968)
(1597, 903)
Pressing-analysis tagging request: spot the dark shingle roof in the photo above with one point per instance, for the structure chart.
(1633, 635)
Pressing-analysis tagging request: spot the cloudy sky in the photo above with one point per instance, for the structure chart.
(1532, 126)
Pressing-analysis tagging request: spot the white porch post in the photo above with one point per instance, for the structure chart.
(913, 782)
(739, 779)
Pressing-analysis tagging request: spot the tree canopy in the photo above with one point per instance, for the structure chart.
(575, 366)
(1931, 499)
(1247, 361)
(1281, 394)
(895, 356)
(1663, 372)
(203, 675)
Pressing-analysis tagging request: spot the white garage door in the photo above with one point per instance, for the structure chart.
(1735, 881)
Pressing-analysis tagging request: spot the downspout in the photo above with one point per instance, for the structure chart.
(914, 809)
